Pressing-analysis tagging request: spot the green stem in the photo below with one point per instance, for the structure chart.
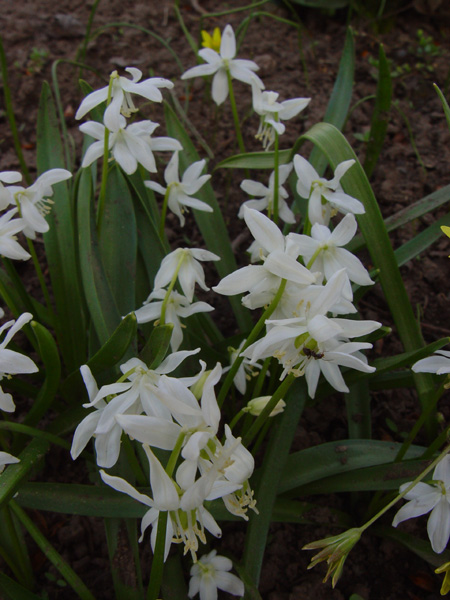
(163, 213)
(237, 417)
(276, 185)
(262, 418)
(37, 433)
(14, 553)
(313, 257)
(53, 556)
(169, 290)
(102, 196)
(261, 378)
(235, 114)
(251, 338)
(158, 556)
(40, 275)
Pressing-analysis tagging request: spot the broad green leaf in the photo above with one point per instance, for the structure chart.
(99, 296)
(326, 4)
(118, 241)
(60, 240)
(357, 402)
(266, 490)
(355, 183)
(211, 225)
(335, 458)
(380, 114)
(49, 354)
(108, 356)
(14, 475)
(254, 160)
(11, 590)
(370, 479)
(156, 348)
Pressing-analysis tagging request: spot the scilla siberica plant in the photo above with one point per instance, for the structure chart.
(161, 400)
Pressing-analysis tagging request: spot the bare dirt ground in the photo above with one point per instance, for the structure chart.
(37, 33)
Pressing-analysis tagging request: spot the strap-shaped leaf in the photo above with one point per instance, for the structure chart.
(11, 590)
(99, 296)
(118, 241)
(60, 240)
(336, 458)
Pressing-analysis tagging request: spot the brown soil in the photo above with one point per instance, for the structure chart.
(377, 568)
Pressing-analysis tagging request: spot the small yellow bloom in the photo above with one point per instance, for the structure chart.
(445, 589)
(212, 41)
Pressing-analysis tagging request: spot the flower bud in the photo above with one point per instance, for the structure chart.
(257, 405)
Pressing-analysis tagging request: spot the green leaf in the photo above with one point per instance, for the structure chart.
(380, 114)
(49, 354)
(445, 105)
(211, 225)
(420, 242)
(336, 458)
(108, 356)
(266, 490)
(14, 475)
(118, 241)
(11, 590)
(60, 240)
(156, 348)
(355, 183)
(254, 160)
(99, 296)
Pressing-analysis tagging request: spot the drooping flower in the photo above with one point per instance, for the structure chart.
(180, 192)
(34, 202)
(434, 497)
(5, 194)
(121, 101)
(439, 363)
(264, 195)
(331, 257)
(177, 306)
(9, 246)
(324, 195)
(219, 63)
(272, 113)
(211, 573)
(184, 262)
(129, 145)
(11, 362)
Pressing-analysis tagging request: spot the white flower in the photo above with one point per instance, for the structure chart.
(324, 195)
(210, 573)
(9, 246)
(424, 498)
(219, 64)
(439, 363)
(7, 459)
(35, 201)
(129, 145)
(5, 194)
(184, 262)
(314, 343)
(11, 362)
(279, 256)
(330, 256)
(273, 112)
(264, 195)
(177, 306)
(180, 192)
(121, 101)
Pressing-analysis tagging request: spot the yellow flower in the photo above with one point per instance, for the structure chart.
(445, 589)
(212, 41)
